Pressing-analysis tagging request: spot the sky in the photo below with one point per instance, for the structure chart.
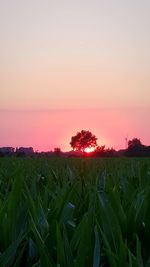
(70, 65)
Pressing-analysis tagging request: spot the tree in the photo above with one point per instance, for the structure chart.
(83, 140)
(135, 148)
(135, 142)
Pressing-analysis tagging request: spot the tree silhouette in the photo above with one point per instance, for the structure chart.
(135, 148)
(135, 142)
(83, 140)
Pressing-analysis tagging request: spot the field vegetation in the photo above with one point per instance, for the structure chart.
(65, 212)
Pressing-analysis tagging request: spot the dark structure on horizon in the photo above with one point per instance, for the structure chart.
(24, 151)
(7, 150)
(135, 148)
(21, 151)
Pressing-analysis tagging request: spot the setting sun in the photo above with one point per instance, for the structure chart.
(89, 149)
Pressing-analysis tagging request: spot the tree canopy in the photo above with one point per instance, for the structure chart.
(135, 142)
(83, 140)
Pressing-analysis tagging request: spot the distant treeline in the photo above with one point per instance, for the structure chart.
(134, 149)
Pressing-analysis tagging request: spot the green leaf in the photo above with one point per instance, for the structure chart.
(139, 253)
(8, 256)
(96, 256)
(45, 258)
(60, 247)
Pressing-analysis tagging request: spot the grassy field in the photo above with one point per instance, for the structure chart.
(74, 212)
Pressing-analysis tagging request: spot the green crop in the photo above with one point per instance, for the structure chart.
(61, 212)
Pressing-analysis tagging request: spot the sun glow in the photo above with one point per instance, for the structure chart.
(89, 149)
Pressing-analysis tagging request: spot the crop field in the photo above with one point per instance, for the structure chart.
(59, 212)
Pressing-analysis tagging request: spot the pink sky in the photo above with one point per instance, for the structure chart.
(72, 65)
(48, 129)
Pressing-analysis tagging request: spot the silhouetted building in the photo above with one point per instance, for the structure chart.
(7, 150)
(24, 151)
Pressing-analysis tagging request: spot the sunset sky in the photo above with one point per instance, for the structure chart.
(70, 65)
